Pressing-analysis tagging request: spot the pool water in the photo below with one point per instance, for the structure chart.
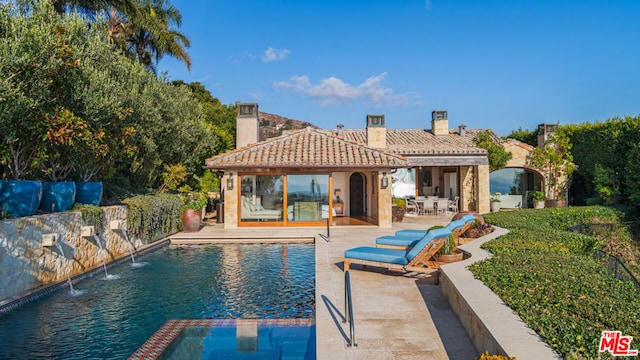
(115, 317)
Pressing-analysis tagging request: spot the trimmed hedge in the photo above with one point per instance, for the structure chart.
(151, 217)
(548, 277)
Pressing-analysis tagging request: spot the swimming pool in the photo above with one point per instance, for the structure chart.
(113, 318)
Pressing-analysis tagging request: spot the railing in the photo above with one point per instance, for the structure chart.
(611, 262)
(327, 237)
(348, 309)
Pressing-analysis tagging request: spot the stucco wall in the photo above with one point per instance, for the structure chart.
(26, 265)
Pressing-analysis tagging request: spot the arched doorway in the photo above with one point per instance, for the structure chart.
(357, 194)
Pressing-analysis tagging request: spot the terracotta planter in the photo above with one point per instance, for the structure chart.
(191, 220)
(449, 258)
(538, 204)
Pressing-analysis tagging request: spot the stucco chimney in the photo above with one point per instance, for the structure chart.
(439, 122)
(462, 130)
(247, 126)
(376, 132)
(544, 130)
(340, 131)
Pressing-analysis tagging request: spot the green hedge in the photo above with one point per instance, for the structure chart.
(548, 277)
(150, 217)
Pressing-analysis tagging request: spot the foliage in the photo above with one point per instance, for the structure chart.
(605, 184)
(400, 202)
(485, 356)
(526, 136)
(537, 196)
(498, 156)
(193, 200)
(152, 217)
(555, 161)
(632, 175)
(547, 275)
(611, 145)
(91, 215)
(449, 246)
(495, 197)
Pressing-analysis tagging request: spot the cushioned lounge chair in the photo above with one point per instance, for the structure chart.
(414, 232)
(410, 238)
(416, 259)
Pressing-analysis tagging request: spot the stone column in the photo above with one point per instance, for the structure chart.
(231, 200)
(384, 200)
(483, 195)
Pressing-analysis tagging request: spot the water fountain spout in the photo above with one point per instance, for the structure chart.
(104, 262)
(72, 291)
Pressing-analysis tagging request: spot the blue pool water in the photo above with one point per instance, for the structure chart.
(113, 318)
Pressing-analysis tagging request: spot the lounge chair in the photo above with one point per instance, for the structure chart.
(406, 242)
(469, 218)
(416, 259)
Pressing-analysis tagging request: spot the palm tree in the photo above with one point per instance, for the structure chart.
(151, 36)
(93, 6)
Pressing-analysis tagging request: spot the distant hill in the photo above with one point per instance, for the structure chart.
(273, 125)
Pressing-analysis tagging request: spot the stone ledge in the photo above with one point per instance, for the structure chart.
(490, 323)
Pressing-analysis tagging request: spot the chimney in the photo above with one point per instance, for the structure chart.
(376, 132)
(439, 122)
(340, 130)
(462, 130)
(544, 130)
(247, 128)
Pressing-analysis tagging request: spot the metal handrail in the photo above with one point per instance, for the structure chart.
(348, 309)
(327, 237)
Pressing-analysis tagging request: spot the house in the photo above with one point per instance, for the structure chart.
(308, 176)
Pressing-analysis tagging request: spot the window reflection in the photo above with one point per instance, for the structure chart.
(307, 197)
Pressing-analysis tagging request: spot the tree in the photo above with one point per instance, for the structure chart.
(526, 136)
(150, 35)
(498, 156)
(556, 162)
(94, 6)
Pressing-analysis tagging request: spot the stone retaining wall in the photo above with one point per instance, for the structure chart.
(26, 265)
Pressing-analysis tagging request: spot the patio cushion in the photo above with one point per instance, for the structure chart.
(455, 224)
(424, 242)
(376, 254)
(468, 217)
(406, 241)
(411, 232)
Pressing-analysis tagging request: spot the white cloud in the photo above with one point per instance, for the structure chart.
(333, 90)
(272, 54)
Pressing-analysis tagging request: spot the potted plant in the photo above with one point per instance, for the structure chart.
(194, 203)
(398, 209)
(538, 199)
(495, 202)
(449, 252)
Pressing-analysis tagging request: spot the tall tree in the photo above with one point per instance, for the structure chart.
(152, 35)
(93, 6)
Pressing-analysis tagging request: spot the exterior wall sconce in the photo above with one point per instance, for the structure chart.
(230, 181)
(384, 182)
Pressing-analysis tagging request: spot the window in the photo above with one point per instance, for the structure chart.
(261, 198)
(307, 197)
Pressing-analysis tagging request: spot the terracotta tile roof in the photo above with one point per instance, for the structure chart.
(422, 142)
(306, 148)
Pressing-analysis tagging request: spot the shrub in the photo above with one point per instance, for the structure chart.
(548, 277)
(151, 217)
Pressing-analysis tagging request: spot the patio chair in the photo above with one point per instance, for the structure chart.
(412, 207)
(404, 242)
(442, 206)
(469, 218)
(428, 206)
(407, 241)
(416, 259)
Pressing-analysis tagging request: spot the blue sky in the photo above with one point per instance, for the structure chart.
(491, 64)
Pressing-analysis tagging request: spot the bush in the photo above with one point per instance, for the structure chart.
(548, 277)
(151, 217)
